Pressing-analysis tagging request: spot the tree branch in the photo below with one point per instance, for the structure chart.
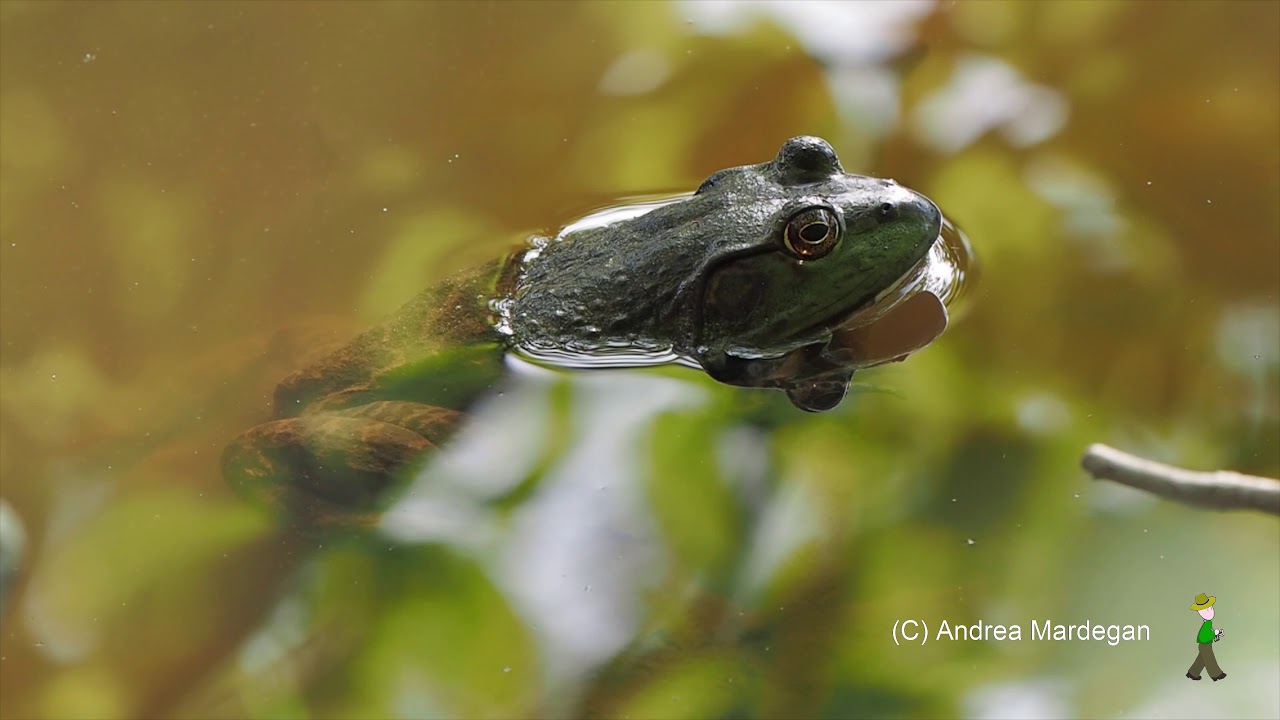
(1222, 490)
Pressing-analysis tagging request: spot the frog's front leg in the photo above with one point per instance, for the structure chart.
(336, 466)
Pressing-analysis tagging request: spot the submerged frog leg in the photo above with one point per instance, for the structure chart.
(437, 424)
(336, 467)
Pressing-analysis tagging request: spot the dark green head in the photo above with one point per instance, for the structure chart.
(828, 243)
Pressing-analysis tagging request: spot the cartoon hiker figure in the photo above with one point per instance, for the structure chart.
(1205, 640)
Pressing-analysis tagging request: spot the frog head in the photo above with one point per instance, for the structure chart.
(821, 244)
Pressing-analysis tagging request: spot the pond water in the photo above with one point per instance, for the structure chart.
(197, 199)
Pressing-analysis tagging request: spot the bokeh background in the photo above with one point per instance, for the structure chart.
(194, 194)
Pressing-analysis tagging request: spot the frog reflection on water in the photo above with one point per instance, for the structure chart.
(749, 278)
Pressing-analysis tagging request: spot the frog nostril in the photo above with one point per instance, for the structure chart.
(886, 212)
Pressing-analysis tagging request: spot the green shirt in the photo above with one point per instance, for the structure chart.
(1206, 632)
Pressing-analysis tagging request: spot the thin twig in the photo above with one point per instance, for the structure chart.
(1222, 490)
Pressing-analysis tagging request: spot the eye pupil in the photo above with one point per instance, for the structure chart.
(814, 232)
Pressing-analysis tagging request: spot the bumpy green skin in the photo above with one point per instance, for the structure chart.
(708, 277)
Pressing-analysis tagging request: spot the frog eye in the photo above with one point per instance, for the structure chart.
(811, 233)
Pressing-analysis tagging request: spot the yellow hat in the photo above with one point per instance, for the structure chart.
(1203, 601)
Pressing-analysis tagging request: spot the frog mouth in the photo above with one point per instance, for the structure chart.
(946, 271)
(911, 312)
(883, 302)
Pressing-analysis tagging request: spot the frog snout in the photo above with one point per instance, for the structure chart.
(908, 206)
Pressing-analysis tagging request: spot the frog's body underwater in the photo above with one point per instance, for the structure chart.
(749, 277)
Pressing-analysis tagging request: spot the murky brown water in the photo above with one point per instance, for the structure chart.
(197, 198)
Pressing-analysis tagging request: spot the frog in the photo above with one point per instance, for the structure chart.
(752, 278)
